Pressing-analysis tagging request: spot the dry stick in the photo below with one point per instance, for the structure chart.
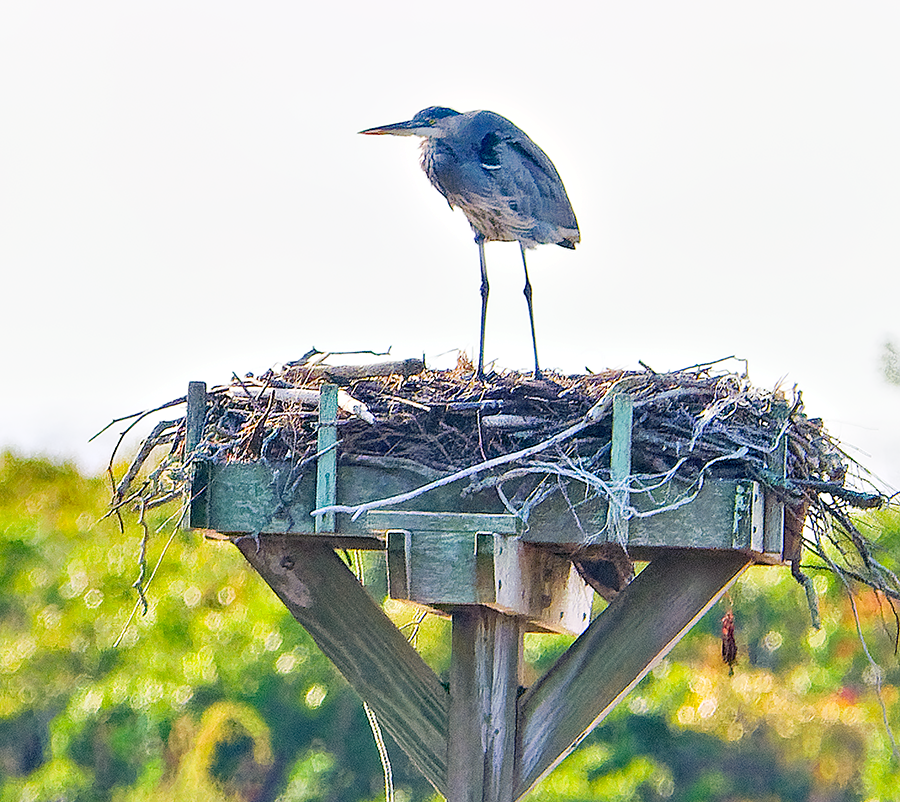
(709, 364)
(138, 603)
(141, 586)
(247, 392)
(146, 447)
(593, 415)
(345, 401)
(402, 367)
(139, 415)
(255, 441)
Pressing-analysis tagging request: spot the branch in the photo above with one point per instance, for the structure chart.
(345, 401)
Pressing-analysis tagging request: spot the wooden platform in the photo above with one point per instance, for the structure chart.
(469, 558)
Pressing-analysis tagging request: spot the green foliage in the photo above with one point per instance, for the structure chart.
(80, 719)
(217, 694)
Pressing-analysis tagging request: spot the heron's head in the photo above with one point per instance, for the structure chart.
(428, 122)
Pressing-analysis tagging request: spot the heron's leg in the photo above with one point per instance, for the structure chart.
(485, 288)
(527, 291)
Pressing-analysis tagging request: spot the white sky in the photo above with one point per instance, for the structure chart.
(183, 195)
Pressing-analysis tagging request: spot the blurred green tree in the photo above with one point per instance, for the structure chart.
(217, 694)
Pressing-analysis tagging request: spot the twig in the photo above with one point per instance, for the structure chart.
(863, 501)
(510, 422)
(139, 415)
(151, 441)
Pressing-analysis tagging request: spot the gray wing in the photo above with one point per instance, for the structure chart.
(506, 185)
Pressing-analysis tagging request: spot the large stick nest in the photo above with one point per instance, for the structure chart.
(689, 425)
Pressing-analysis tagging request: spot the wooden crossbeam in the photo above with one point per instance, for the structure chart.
(621, 645)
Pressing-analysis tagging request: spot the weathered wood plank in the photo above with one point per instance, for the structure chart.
(195, 416)
(274, 498)
(353, 632)
(773, 539)
(326, 464)
(484, 681)
(638, 628)
(444, 570)
(726, 514)
(259, 497)
(442, 567)
(620, 466)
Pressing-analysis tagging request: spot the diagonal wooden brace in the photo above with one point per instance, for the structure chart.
(462, 742)
(621, 645)
(353, 632)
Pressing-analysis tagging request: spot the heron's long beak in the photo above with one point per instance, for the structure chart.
(406, 128)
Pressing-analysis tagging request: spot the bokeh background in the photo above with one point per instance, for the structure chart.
(183, 195)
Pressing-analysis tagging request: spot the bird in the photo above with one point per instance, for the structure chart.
(506, 186)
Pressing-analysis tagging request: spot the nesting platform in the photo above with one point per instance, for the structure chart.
(446, 547)
(505, 526)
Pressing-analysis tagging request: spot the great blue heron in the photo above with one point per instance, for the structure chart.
(505, 184)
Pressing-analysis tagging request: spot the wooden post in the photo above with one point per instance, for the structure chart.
(620, 467)
(195, 416)
(776, 461)
(326, 466)
(484, 683)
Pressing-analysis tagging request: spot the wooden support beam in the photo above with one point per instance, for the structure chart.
(445, 560)
(353, 632)
(621, 645)
(484, 684)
